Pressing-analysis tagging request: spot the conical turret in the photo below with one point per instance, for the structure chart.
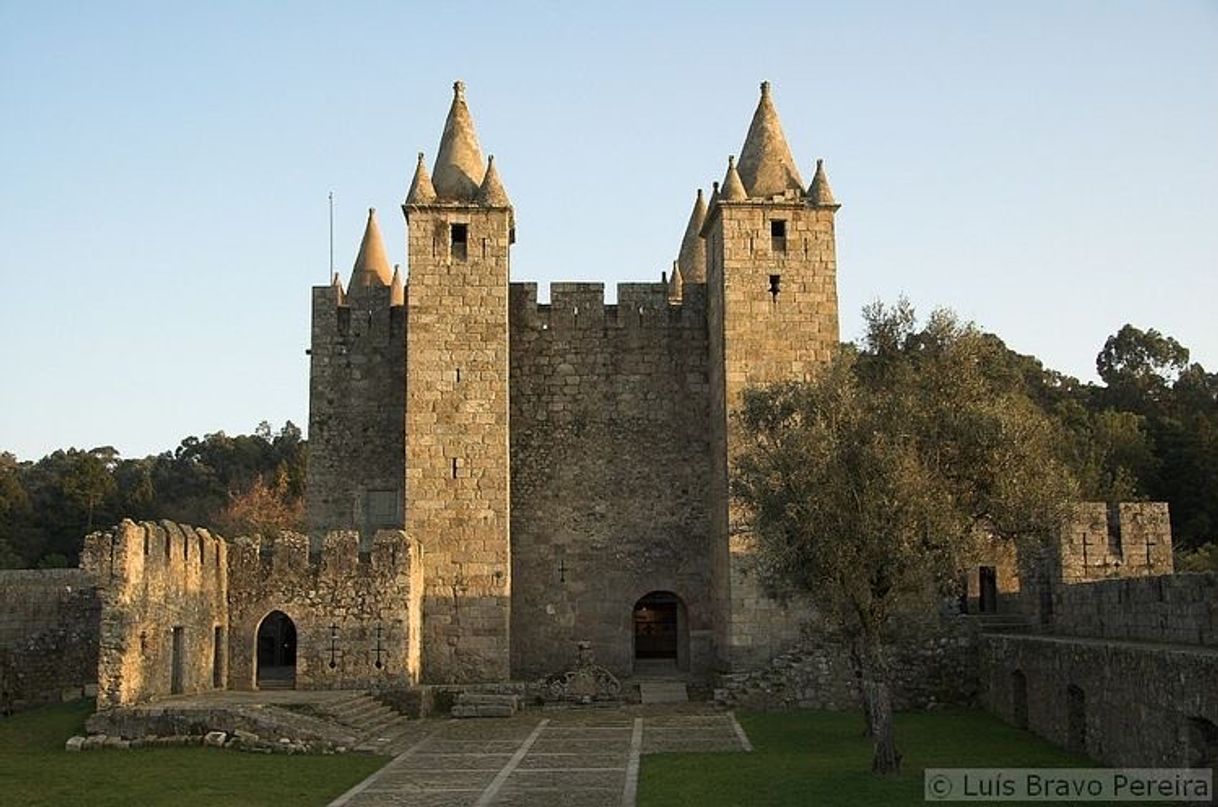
(692, 257)
(422, 191)
(676, 284)
(337, 284)
(397, 289)
(371, 264)
(492, 193)
(459, 164)
(766, 165)
(732, 189)
(819, 192)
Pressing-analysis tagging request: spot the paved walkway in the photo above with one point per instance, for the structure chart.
(569, 758)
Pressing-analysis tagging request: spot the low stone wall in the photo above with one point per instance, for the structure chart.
(164, 608)
(1178, 608)
(934, 662)
(1121, 703)
(48, 636)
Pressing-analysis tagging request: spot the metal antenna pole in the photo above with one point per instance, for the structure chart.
(330, 277)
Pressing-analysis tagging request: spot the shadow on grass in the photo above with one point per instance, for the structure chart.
(821, 758)
(35, 770)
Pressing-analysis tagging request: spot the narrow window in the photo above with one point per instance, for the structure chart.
(460, 240)
(217, 659)
(454, 467)
(458, 375)
(778, 236)
(775, 286)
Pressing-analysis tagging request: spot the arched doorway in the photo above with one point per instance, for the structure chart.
(1076, 719)
(276, 652)
(1019, 699)
(661, 633)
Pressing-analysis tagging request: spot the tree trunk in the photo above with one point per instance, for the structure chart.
(856, 663)
(877, 702)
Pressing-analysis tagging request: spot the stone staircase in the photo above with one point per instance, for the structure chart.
(378, 728)
(663, 692)
(478, 704)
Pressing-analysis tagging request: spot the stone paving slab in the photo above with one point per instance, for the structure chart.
(549, 759)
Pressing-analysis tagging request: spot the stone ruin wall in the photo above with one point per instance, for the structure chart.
(1130, 539)
(1122, 704)
(610, 471)
(157, 580)
(49, 620)
(337, 599)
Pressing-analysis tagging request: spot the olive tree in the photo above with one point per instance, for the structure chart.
(871, 488)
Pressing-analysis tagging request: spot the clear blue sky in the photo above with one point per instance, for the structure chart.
(1049, 169)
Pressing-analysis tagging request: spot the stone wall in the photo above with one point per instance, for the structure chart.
(357, 616)
(1177, 609)
(610, 471)
(164, 601)
(357, 415)
(48, 635)
(1123, 704)
(934, 662)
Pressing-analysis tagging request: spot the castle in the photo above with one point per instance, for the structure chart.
(564, 466)
(494, 483)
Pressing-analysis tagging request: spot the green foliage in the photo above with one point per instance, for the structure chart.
(871, 488)
(36, 770)
(804, 757)
(1202, 559)
(48, 506)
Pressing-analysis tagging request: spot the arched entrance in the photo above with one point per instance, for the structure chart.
(276, 652)
(661, 634)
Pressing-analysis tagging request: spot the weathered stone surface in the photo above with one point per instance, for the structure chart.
(76, 743)
(215, 738)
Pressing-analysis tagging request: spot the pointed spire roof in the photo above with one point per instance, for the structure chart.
(819, 192)
(732, 189)
(421, 191)
(692, 257)
(337, 284)
(492, 193)
(371, 264)
(397, 290)
(766, 166)
(459, 163)
(676, 284)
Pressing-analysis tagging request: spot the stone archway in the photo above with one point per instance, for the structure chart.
(1076, 719)
(660, 634)
(276, 652)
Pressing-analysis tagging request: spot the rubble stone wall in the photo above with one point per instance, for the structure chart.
(610, 472)
(357, 615)
(1175, 608)
(48, 635)
(164, 594)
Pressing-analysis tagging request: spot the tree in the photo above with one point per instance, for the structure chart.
(870, 489)
(262, 509)
(1139, 366)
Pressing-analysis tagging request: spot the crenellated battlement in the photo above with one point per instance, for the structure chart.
(581, 306)
(1128, 539)
(256, 559)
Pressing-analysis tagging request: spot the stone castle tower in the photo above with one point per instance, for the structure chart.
(564, 466)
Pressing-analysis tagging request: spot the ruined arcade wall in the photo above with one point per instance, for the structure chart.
(1136, 700)
(357, 615)
(610, 470)
(157, 580)
(48, 635)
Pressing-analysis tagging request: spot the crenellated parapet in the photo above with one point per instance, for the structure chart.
(578, 307)
(1128, 539)
(264, 562)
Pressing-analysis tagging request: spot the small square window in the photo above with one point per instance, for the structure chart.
(460, 241)
(778, 235)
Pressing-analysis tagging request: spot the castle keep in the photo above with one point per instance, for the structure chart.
(564, 466)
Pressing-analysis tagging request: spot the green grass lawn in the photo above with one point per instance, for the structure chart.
(821, 758)
(34, 769)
